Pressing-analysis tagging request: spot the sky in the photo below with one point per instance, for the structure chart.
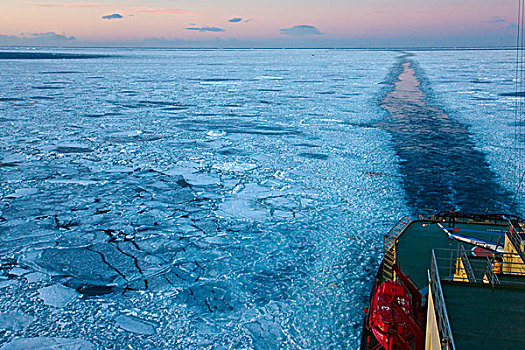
(250, 23)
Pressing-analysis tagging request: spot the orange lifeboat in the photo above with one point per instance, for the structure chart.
(386, 322)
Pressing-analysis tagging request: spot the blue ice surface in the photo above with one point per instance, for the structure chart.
(470, 86)
(194, 199)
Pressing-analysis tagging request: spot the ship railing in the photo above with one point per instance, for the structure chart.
(460, 217)
(490, 272)
(516, 239)
(389, 247)
(462, 255)
(458, 265)
(445, 330)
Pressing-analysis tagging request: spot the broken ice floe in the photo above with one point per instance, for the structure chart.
(193, 175)
(12, 160)
(135, 325)
(75, 182)
(215, 134)
(240, 209)
(23, 192)
(57, 295)
(71, 148)
(235, 167)
(47, 343)
(6, 283)
(18, 271)
(35, 277)
(15, 320)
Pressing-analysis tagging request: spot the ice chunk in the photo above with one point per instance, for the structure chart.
(18, 271)
(127, 133)
(240, 209)
(36, 277)
(7, 283)
(23, 192)
(134, 325)
(72, 148)
(48, 343)
(253, 190)
(15, 320)
(57, 295)
(117, 169)
(213, 133)
(83, 264)
(192, 174)
(75, 182)
(181, 170)
(234, 167)
(281, 203)
(201, 179)
(12, 159)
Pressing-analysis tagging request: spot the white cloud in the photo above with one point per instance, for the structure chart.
(47, 38)
(301, 30)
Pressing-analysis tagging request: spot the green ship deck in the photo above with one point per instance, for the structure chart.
(415, 245)
(481, 315)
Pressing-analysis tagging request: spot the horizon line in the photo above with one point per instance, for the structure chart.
(375, 48)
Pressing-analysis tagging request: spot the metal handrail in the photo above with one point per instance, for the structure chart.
(490, 273)
(392, 233)
(514, 271)
(439, 306)
(389, 243)
(469, 217)
(516, 241)
(466, 263)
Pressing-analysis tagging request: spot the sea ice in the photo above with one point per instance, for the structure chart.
(134, 324)
(47, 343)
(23, 192)
(15, 320)
(57, 295)
(240, 209)
(196, 202)
(473, 88)
(201, 179)
(36, 277)
(6, 283)
(18, 271)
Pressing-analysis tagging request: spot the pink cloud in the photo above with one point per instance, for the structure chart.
(65, 4)
(169, 12)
